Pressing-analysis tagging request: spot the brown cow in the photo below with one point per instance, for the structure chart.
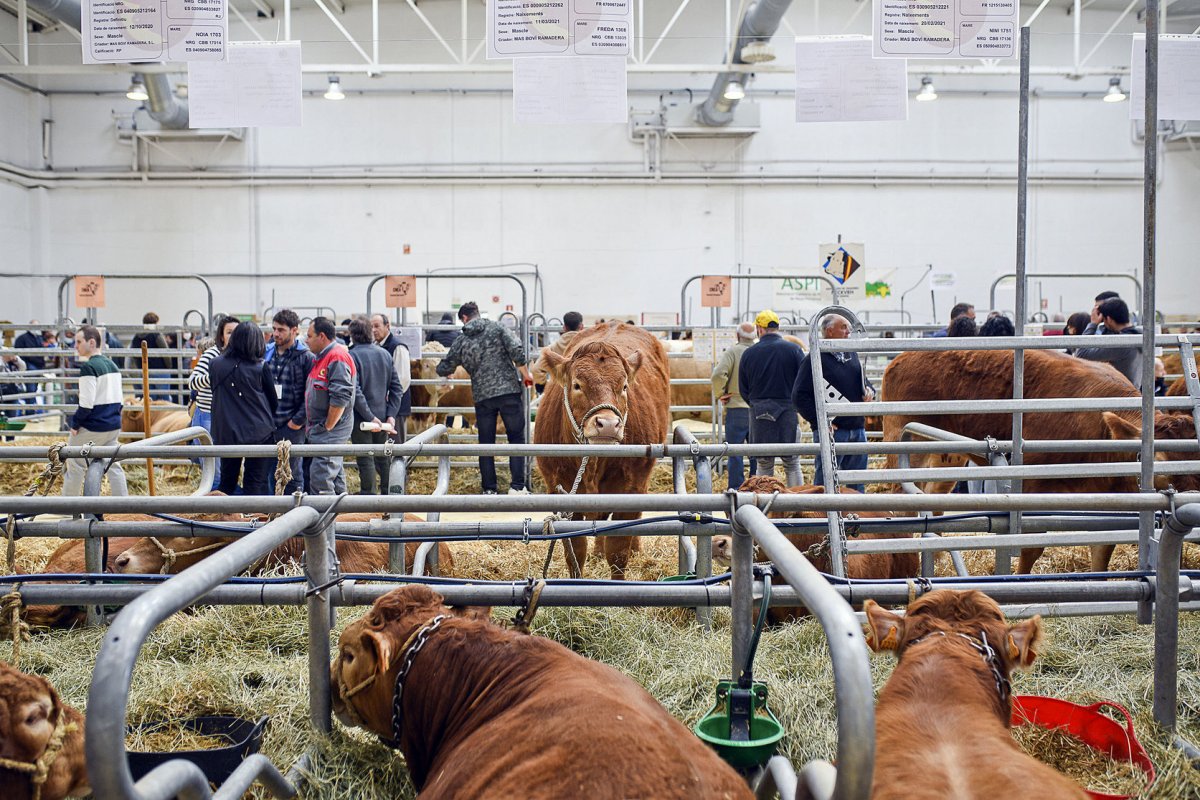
(164, 417)
(69, 558)
(981, 374)
(436, 394)
(145, 557)
(942, 723)
(861, 566)
(618, 393)
(38, 729)
(492, 713)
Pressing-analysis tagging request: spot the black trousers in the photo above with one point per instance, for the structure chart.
(511, 410)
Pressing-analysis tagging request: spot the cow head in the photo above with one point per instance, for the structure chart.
(168, 555)
(30, 712)
(595, 379)
(1166, 426)
(952, 612)
(371, 650)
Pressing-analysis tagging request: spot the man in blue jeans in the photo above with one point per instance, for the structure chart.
(845, 381)
(766, 375)
(493, 357)
(737, 412)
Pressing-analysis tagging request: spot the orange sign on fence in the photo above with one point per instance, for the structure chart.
(716, 291)
(89, 291)
(401, 291)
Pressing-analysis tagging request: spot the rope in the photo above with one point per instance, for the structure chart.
(42, 483)
(10, 616)
(283, 466)
(39, 771)
(171, 556)
(548, 524)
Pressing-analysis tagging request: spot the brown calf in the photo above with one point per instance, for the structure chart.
(485, 712)
(942, 723)
(41, 741)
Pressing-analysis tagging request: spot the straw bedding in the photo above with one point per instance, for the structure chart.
(250, 661)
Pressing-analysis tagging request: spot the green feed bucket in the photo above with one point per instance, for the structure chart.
(677, 578)
(7, 424)
(765, 729)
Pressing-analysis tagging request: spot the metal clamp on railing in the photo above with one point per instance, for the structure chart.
(108, 698)
(694, 559)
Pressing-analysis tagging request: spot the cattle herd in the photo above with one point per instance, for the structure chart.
(479, 710)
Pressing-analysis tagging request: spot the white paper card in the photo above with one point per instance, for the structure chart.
(559, 27)
(560, 91)
(125, 31)
(1178, 77)
(837, 80)
(945, 28)
(259, 86)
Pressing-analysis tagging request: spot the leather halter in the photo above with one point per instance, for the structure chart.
(987, 652)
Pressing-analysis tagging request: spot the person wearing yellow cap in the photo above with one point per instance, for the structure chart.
(766, 376)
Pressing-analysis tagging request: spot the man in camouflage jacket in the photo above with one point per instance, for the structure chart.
(495, 360)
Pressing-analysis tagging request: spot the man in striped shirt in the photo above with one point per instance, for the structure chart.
(199, 381)
(98, 418)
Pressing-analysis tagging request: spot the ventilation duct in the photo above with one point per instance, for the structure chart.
(759, 24)
(164, 107)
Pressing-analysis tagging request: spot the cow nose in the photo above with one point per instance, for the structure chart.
(122, 562)
(608, 426)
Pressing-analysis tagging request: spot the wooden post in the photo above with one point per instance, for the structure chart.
(146, 411)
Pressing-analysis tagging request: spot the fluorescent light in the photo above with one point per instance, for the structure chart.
(137, 90)
(1114, 94)
(927, 92)
(334, 92)
(734, 90)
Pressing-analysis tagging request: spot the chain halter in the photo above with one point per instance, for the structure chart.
(411, 647)
(990, 657)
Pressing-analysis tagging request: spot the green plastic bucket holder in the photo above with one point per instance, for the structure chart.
(765, 729)
(7, 424)
(678, 578)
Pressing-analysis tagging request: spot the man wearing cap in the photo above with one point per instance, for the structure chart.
(725, 389)
(766, 375)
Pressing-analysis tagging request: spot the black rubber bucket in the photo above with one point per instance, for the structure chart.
(244, 737)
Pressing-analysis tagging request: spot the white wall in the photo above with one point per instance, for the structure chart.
(610, 248)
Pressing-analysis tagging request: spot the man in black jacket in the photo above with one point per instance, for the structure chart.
(386, 338)
(845, 381)
(28, 340)
(766, 375)
(377, 400)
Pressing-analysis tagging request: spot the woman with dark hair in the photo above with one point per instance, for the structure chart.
(961, 326)
(998, 325)
(199, 381)
(243, 407)
(1077, 323)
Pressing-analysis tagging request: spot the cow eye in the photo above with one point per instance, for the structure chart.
(577, 387)
(347, 656)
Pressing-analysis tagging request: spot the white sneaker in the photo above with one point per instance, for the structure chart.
(518, 491)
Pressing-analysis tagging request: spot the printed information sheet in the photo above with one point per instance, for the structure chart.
(259, 86)
(552, 91)
(837, 80)
(559, 28)
(1178, 77)
(945, 28)
(131, 31)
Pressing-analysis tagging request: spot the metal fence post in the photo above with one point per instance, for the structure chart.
(321, 570)
(742, 596)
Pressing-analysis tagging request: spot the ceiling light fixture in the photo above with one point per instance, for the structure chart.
(734, 90)
(334, 92)
(927, 92)
(1115, 93)
(137, 90)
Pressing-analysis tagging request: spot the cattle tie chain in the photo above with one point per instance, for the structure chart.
(42, 483)
(39, 771)
(990, 657)
(413, 646)
(18, 629)
(525, 614)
